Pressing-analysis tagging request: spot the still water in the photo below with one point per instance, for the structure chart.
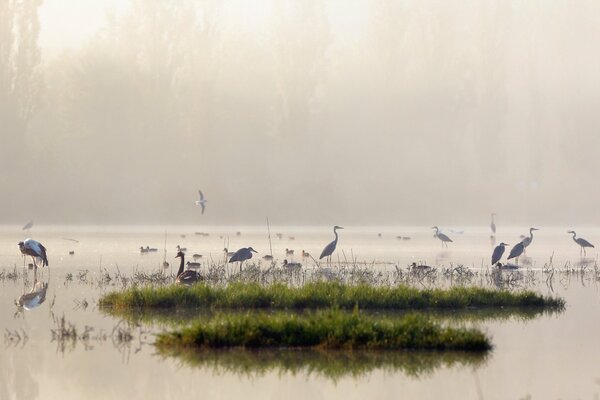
(550, 356)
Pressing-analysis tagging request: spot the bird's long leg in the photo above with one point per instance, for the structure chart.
(584, 252)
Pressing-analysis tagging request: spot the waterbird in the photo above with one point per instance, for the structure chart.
(71, 252)
(34, 249)
(143, 250)
(291, 265)
(330, 248)
(581, 242)
(35, 297)
(27, 226)
(420, 267)
(516, 251)
(193, 264)
(182, 249)
(196, 256)
(445, 239)
(527, 240)
(201, 201)
(289, 252)
(305, 254)
(187, 277)
(268, 257)
(493, 224)
(228, 253)
(498, 252)
(505, 267)
(243, 254)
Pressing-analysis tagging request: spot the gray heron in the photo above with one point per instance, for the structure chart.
(581, 242)
(516, 251)
(34, 249)
(445, 239)
(493, 224)
(201, 201)
(498, 252)
(330, 248)
(527, 240)
(187, 277)
(243, 254)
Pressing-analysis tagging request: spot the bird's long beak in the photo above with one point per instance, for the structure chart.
(254, 250)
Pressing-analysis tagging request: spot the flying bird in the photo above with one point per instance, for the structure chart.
(201, 201)
(330, 248)
(498, 252)
(581, 242)
(34, 249)
(27, 225)
(445, 239)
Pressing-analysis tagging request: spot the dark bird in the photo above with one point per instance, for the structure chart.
(507, 267)
(34, 249)
(330, 248)
(187, 277)
(192, 265)
(243, 254)
(581, 242)
(291, 265)
(516, 251)
(498, 252)
(201, 201)
(445, 239)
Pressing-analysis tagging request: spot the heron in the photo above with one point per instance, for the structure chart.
(201, 201)
(34, 249)
(498, 252)
(516, 251)
(243, 254)
(581, 242)
(35, 297)
(493, 224)
(527, 240)
(330, 248)
(187, 277)
(445, 239)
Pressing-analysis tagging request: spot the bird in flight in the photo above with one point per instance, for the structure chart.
(202, 201)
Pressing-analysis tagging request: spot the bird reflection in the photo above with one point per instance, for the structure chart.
(35, 297)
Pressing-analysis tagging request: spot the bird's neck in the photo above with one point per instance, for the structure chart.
(181, 267)
(336, 235)
(531, 233)
(574, 234)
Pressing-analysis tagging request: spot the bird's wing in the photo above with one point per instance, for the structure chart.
(516, 250)
(585, 243)
(444, 237)
(203, 207)
(201, 194)
(34, 246)
(498, 251)
(328, 250)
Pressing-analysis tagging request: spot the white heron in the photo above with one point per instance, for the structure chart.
(201, 201)
(330, 248)
(581, 242)
(34, 249)
(445, 239)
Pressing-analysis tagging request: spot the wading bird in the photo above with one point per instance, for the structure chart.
(581, 242)
(201, 201)
(516, 251)
(527, 240)
(493, 224)
(445, 239)
(243, 254)
(498, 252)
(330, 248)
(187, 277)
(34, 249)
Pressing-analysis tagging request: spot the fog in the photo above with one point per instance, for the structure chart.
(309, 112)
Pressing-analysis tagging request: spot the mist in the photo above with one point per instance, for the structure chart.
(373, 112)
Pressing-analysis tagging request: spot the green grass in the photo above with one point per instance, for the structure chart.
(331, 364)
(330, 329)
(322, 295)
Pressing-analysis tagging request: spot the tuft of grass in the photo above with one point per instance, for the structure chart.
(327, 329)
(323, 295)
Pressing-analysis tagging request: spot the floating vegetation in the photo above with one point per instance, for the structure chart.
(332, 364)
(330, 329)
(322, 295)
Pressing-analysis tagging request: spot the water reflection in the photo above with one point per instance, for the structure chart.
(35, 297)
(328, 364)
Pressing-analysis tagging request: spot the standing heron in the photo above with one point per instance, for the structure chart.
(243, 254)
(330, 248)
(527, 240)
(34, 249)
(498, 252)
(201, 201)
(445, 239)
(493, 224)
(581, 242)
(516, 251)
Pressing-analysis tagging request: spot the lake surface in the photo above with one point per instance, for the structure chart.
(551, 356)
